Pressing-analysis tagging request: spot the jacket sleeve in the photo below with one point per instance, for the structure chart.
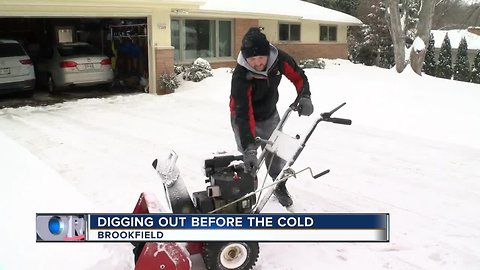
(241, 107)
(294, 73)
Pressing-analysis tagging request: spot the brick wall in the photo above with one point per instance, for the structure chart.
(164, 64)
(301, 51)
(305, 51)
(232, 64)
(241, 27)
(475, 30)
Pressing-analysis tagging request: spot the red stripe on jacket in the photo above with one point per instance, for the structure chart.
(232, 107)
(293, 76)
(251, 118)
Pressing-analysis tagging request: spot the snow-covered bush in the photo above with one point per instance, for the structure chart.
(199, 70)
(461, 70)
(444, 66)
(169, 82)
(476, 69)
(429, 64)
(179, 69)
(312, 63)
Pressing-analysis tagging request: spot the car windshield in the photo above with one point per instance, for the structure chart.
(11, 49)
(73, 50)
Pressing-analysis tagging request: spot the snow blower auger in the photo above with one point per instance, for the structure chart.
(229, 191)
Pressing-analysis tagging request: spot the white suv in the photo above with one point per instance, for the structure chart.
(17, 74)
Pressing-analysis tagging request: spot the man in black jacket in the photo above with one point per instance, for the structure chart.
(254, 96)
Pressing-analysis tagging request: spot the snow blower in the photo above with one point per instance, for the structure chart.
(229, 191)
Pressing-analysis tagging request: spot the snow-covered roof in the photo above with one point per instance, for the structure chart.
(473, 40)
(296, 9)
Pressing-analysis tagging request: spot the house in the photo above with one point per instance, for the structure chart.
(177, 32)
(472, 35)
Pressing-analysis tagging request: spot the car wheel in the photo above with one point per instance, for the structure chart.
(52, 88)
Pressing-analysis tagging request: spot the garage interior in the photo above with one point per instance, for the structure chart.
(124, 40)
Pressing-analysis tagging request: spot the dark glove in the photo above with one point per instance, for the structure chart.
(305, 106)
(250, 160)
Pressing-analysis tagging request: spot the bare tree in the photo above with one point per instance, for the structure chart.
(397, 34)
(423, 31)
(423, 28)
(452, 14)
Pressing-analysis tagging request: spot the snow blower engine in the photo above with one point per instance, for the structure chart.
(228, 183)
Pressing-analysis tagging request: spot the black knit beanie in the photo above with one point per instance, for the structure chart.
(255, 43)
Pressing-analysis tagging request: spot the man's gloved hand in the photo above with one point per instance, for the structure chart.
(305, 106)
(250, 160)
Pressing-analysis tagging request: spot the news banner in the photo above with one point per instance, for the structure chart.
(208, 227)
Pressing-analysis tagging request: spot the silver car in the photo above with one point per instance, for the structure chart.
(74, 64)
(16, 69)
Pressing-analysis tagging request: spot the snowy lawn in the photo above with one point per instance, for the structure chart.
(413, 151)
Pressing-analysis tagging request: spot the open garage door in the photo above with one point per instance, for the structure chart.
(124, 42)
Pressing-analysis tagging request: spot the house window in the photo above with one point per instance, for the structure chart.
(201, 38)
(175, 36)
(224, 38)
(328, 33)
(289, 32)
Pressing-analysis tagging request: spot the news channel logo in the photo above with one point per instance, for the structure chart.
(61, 227)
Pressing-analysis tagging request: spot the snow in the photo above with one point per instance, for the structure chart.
(290, 8)
(455, 36)
(418, 45)
(30, 186)
(412, 151)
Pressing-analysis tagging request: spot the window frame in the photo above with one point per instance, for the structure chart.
(328, 32)
(216, 49)
(289, 24)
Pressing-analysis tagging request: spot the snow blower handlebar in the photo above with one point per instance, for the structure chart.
(273, 146)
(341, 121)
(326, 117)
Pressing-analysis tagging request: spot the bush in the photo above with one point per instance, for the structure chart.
(461, 70)
(199, 70)
(429, 64)
(179, 69)
(311, 63)
(169, 82)
(476, 69)
(444, 66)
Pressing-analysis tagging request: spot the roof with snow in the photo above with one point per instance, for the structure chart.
(295, 9)
(473, 40)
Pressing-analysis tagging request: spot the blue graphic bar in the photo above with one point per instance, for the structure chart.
(374, 221)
